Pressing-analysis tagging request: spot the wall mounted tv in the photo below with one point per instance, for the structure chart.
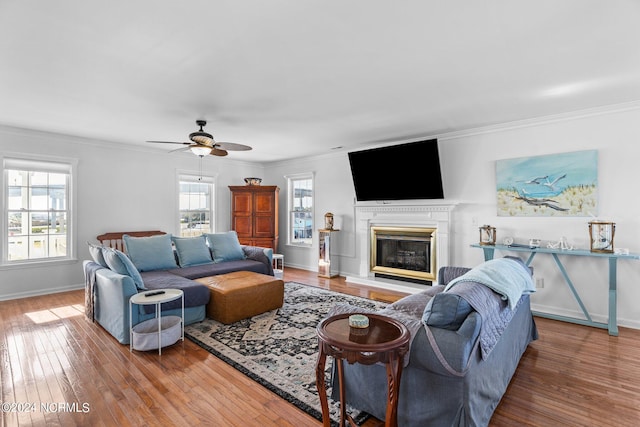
(407, 171)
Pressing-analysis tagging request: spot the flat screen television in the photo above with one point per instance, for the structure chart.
(407, 171)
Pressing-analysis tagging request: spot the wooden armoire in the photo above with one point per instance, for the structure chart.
(254, 214)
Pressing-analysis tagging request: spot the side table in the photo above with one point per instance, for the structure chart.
(144, 298)
(386, 340)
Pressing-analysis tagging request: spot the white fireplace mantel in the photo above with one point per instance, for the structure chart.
(436, 216)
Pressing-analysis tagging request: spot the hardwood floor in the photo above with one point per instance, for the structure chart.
(75, 373)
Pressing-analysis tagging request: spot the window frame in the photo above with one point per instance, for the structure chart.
(196, 177)
(290, 202)
(39, 163)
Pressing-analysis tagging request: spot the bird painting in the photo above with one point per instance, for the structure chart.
(548, 185)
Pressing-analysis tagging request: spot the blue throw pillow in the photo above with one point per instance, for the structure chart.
(446, 311)
(225, 246)
(96, 254)
(192, 251)
(121, 264)
(150, 253)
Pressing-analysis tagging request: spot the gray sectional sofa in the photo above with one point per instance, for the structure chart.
(467, 341)
(163, 261)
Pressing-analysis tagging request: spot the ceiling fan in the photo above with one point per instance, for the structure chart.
(202, 143)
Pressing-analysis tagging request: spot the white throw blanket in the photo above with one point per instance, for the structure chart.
(506, 276)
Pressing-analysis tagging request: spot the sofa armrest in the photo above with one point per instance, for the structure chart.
(264, 255)
(445, 351)
(112, 294)
(268, 252)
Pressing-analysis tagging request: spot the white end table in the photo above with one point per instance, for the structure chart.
(155, 297)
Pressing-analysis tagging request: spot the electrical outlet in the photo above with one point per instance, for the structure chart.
(539, 283)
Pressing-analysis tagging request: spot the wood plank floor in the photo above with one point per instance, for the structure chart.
(59, 369)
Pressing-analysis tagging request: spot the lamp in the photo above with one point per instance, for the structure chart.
(199, 150)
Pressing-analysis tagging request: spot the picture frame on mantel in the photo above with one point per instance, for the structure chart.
(564, 184)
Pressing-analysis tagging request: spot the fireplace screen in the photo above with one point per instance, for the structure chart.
(404, 252)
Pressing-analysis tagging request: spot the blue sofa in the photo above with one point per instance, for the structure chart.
(459, 363)
(157, 262)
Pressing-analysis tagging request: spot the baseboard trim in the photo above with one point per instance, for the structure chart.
(40, 292)
(634, 324)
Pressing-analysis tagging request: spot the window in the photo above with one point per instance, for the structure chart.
(37, 219)
(300, 202)
(195, 195)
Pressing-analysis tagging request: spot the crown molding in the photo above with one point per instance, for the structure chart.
(542, 120)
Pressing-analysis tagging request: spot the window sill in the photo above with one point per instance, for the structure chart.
(300, 245)
(36, 264)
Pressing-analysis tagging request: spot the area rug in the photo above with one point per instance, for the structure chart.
(279, 348)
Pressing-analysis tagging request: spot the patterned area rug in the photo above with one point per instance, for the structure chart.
(278, 349)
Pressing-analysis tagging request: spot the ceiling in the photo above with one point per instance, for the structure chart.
(296, 78)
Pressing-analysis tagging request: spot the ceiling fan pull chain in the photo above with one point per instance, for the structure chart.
(200, 179)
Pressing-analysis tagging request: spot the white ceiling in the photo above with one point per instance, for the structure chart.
(295, 77)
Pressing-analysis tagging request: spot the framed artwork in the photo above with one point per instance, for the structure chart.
(564, 184)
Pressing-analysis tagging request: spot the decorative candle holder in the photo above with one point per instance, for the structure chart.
(601, 236)
(359, 321)
(487, 235)
(328, 221)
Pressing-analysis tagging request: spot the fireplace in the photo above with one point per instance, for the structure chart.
(404, 252)
(434, 217)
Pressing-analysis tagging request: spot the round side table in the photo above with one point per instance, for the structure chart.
(386, 340)
(154, 297)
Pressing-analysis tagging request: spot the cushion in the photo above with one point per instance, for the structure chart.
(225, 246)
(446, 311)
(192, 251)
(96, 254)
(121, 264)
(150, 253)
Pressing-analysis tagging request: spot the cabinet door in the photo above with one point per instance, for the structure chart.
(242, 206)
(245, 241)
(243, 225)
(264, 243)
(264, 215)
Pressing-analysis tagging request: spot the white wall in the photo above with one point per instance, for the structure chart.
(119, 188)
(614, 135)
(333, 192)
(468, 164)
(109, 199)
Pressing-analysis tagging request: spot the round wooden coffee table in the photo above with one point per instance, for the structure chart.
(385, 340)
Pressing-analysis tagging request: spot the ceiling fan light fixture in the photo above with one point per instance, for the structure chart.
(200, 151)
(201, 138)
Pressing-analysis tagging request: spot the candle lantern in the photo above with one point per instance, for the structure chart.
(601, 236)
(328, 221)
(487, 235)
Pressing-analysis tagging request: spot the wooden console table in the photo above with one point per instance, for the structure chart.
(386, 340)
(612, 324)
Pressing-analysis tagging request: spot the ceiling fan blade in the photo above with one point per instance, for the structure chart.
(169, 142)
(218, 152)
(181, 149)
(230, 146)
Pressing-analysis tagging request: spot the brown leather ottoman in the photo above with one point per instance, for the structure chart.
(242, 294)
